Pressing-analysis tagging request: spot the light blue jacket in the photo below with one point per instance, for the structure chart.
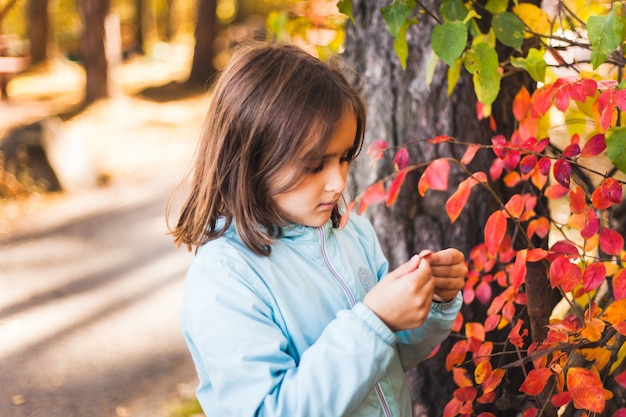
(287, 335)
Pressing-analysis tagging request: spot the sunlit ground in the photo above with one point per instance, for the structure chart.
(85, 281)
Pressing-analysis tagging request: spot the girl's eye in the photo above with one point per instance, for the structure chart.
(316, 169)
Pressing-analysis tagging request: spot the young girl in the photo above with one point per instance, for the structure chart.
(284, 313)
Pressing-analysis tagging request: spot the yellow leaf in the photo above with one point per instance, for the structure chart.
(616, 312)
(621, 354)
(600, 355)
(536, 19)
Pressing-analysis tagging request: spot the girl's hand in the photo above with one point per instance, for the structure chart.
(402, 299)
(449, 272)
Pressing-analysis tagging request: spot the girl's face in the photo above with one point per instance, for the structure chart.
(311, 201)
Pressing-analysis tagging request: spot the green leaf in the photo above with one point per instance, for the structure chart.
(449, 40)
(605, 33)
(453, 10)
(345, 7)
(397, 14)
(497, 6)
(482, 62)
(534, 64)
(509, 29)
(616, 147)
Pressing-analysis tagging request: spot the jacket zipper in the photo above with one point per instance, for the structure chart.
(352, 301)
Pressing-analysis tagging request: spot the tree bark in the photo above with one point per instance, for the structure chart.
(94, 53)
(38, 30)
(202, 69)
(401, 109)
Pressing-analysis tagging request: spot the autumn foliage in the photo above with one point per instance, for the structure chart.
(583, 351)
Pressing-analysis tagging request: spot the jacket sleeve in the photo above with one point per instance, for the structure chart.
(416, 344)
(242, 356)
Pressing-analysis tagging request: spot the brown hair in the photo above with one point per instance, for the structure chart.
(273, 105)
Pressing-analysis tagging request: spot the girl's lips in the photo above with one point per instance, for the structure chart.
(327, 206)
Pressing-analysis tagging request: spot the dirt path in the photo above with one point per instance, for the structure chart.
(90, 283)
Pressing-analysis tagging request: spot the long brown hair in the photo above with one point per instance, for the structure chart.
(272, 105)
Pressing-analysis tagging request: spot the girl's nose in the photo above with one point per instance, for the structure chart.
(336, 179)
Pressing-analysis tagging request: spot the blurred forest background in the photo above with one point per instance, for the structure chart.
(101, 106)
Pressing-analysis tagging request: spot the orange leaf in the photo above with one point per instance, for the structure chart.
(456, 355)
(577, 200)
(394, 188)
(475, 333)
(462, 378)
(521, 104)
(515, 336)
(495, 228)
(346, 216)
(493, 381)
(373, 194)
(453, 408)
(515, 206)
(435, 176)
(457, 201)
(539, 227)
(440, 138)
(615, 312)
(535, 255)
(536, 381)
(470, 152)
(531, 412)
(586, 389)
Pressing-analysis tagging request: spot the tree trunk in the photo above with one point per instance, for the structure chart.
(139, 41)
(401, 109)
(94, 53)
(38, 30)
(202, 69)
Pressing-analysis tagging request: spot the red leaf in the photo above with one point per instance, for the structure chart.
(593, 276)
(561, 99)
(535, 255)
(531, 412)
(495, 228)
(608, 193)
(619, 285)
(594, 146)
(560, 399)
(373, 194)
(440, 138)
(577, 200)
(592, 224)
(541, 100)
(539, 227)
(475, 333)
(544, 165)
(621, 379)
(564, 273)
(536, 381)
(483, 292)
(620, 413)
(518, 271)
(375, 150)
(394, 188)
(563, 247)
(555, 191)
(586, 389)
(499, 146)
(435, 176)
(562, 171)
(515, 336)
(457, 201)
(528, 163)
(470, 152)
(496, 168)
(492, 322)
(611, 242)
(401, 160)
(572, 150)
(465, 394)
(620, 99)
